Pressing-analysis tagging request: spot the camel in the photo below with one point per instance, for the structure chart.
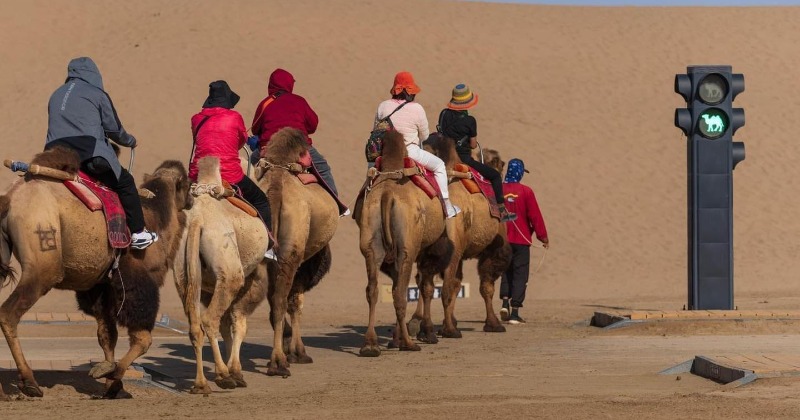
(60, 244)
(304, 219)
(493, 159)
(475, 234)
(400, 225)
(221, 263)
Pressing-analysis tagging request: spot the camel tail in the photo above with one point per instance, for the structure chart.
(193, 271)
(386, 224)
(6, 272)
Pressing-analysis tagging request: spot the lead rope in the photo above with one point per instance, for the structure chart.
(115, 266)
(130, 163)
(541, 260)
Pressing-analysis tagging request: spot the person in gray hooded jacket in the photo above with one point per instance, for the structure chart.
(82, 117)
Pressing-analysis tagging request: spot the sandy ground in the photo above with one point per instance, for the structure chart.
(582, 94)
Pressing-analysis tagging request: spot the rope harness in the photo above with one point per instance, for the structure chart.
(215, 190)
(264, 165)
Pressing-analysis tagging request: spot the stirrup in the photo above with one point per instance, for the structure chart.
(507, 216)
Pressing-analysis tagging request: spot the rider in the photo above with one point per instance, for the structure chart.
(456, 123)
(219, 131)
(412, 123)
(282, 108)
(82, 117)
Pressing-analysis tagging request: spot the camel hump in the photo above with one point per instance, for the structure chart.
(208, 170)
(58, 158)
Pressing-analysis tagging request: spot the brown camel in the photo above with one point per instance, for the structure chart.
(222, 256)
(400, 225)
(492, 158)
(475, 234)
(304, 219)
(61, 244)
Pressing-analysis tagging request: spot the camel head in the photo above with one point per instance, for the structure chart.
(288, 145)
(443, 147)
(492, 158)
(170, 180)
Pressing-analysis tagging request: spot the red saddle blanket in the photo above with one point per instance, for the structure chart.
(96, 197)
(479, 184)
(426, 182)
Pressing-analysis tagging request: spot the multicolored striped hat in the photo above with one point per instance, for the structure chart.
(463, 98)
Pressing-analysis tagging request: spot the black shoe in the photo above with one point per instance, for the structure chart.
(515, 318)
(505, 310)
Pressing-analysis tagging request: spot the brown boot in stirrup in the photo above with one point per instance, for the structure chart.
(505, 215)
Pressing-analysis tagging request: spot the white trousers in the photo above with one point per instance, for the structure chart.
(432, 163)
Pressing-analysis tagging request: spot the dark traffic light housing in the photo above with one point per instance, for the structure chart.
(709, 122)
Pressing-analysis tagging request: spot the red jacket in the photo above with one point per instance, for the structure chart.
(521, 200)
(222, 135)
(286, 110)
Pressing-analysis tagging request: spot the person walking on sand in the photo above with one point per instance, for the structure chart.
(521, 200)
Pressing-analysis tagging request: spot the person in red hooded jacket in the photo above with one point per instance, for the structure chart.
(219, 131)
(282, 108)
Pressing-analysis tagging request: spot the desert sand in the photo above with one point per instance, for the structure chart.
(584, 95)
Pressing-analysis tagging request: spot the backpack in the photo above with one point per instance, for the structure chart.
(463, 141)
(374, 146)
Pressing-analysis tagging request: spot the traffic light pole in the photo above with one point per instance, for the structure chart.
(709, 122)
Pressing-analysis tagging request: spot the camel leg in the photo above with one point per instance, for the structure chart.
(190, 295)
(488, 272)
(418, 317)
(26, 294)
(426, 287)
(236, 328)
(452, 283)
(400, 295)
(280, 284)
(297, 350)
(220, 302)
(140, 341)
(372, 256)
(107, 336)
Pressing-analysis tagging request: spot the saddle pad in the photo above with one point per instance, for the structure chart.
(426, 182)
(118, 235)
(482, 185)
(243, 206)
(307, 178)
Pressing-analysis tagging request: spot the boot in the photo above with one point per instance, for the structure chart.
(270, 254)
(452, 210)
(505, 310)
(505, 215)
(515, 318)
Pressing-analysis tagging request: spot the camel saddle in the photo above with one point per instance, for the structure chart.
(475, 184)
(96, 196)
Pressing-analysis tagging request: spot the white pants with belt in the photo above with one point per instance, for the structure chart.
(432, 163)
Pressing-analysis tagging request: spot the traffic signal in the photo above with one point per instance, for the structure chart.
(709, 122)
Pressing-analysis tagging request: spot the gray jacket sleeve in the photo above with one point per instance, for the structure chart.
(111, 124)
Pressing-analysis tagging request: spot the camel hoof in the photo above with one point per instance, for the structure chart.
(113, 390)
(200, 390)
(451, 334)
(300, 359)
(429, 338)
(494, 328)
(412, 347)
(225, 383)
(30, 389)
(240, 382)
(102, 369)
(414, 326)
(275, 370)
(370, 351)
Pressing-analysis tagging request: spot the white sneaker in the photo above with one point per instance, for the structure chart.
(346, 213)
(452, 211)
(143, 239)
(270, 255)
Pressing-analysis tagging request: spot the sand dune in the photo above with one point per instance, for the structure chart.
(582, 94)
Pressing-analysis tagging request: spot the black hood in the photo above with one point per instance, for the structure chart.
(220, 95)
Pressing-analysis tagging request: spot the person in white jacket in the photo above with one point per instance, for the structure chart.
(409, 119)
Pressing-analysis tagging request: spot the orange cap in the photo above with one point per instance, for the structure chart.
(404, 80)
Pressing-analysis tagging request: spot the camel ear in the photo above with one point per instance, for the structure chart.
(147, 178)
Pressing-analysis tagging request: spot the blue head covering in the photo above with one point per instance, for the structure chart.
(516, 168)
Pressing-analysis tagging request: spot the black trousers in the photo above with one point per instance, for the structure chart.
(515, 279)
(257, 198)
(489, 173)
(125, 187)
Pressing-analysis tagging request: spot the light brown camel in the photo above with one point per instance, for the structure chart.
(222, 256)
(304, 219)
(400, 225)
(475, 234)
(492, 158)
(61, 244)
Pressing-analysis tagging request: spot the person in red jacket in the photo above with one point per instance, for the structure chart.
(520, 200)
(219, 131)
(282, 108)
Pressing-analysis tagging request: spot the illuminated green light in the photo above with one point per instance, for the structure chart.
(713, 123)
